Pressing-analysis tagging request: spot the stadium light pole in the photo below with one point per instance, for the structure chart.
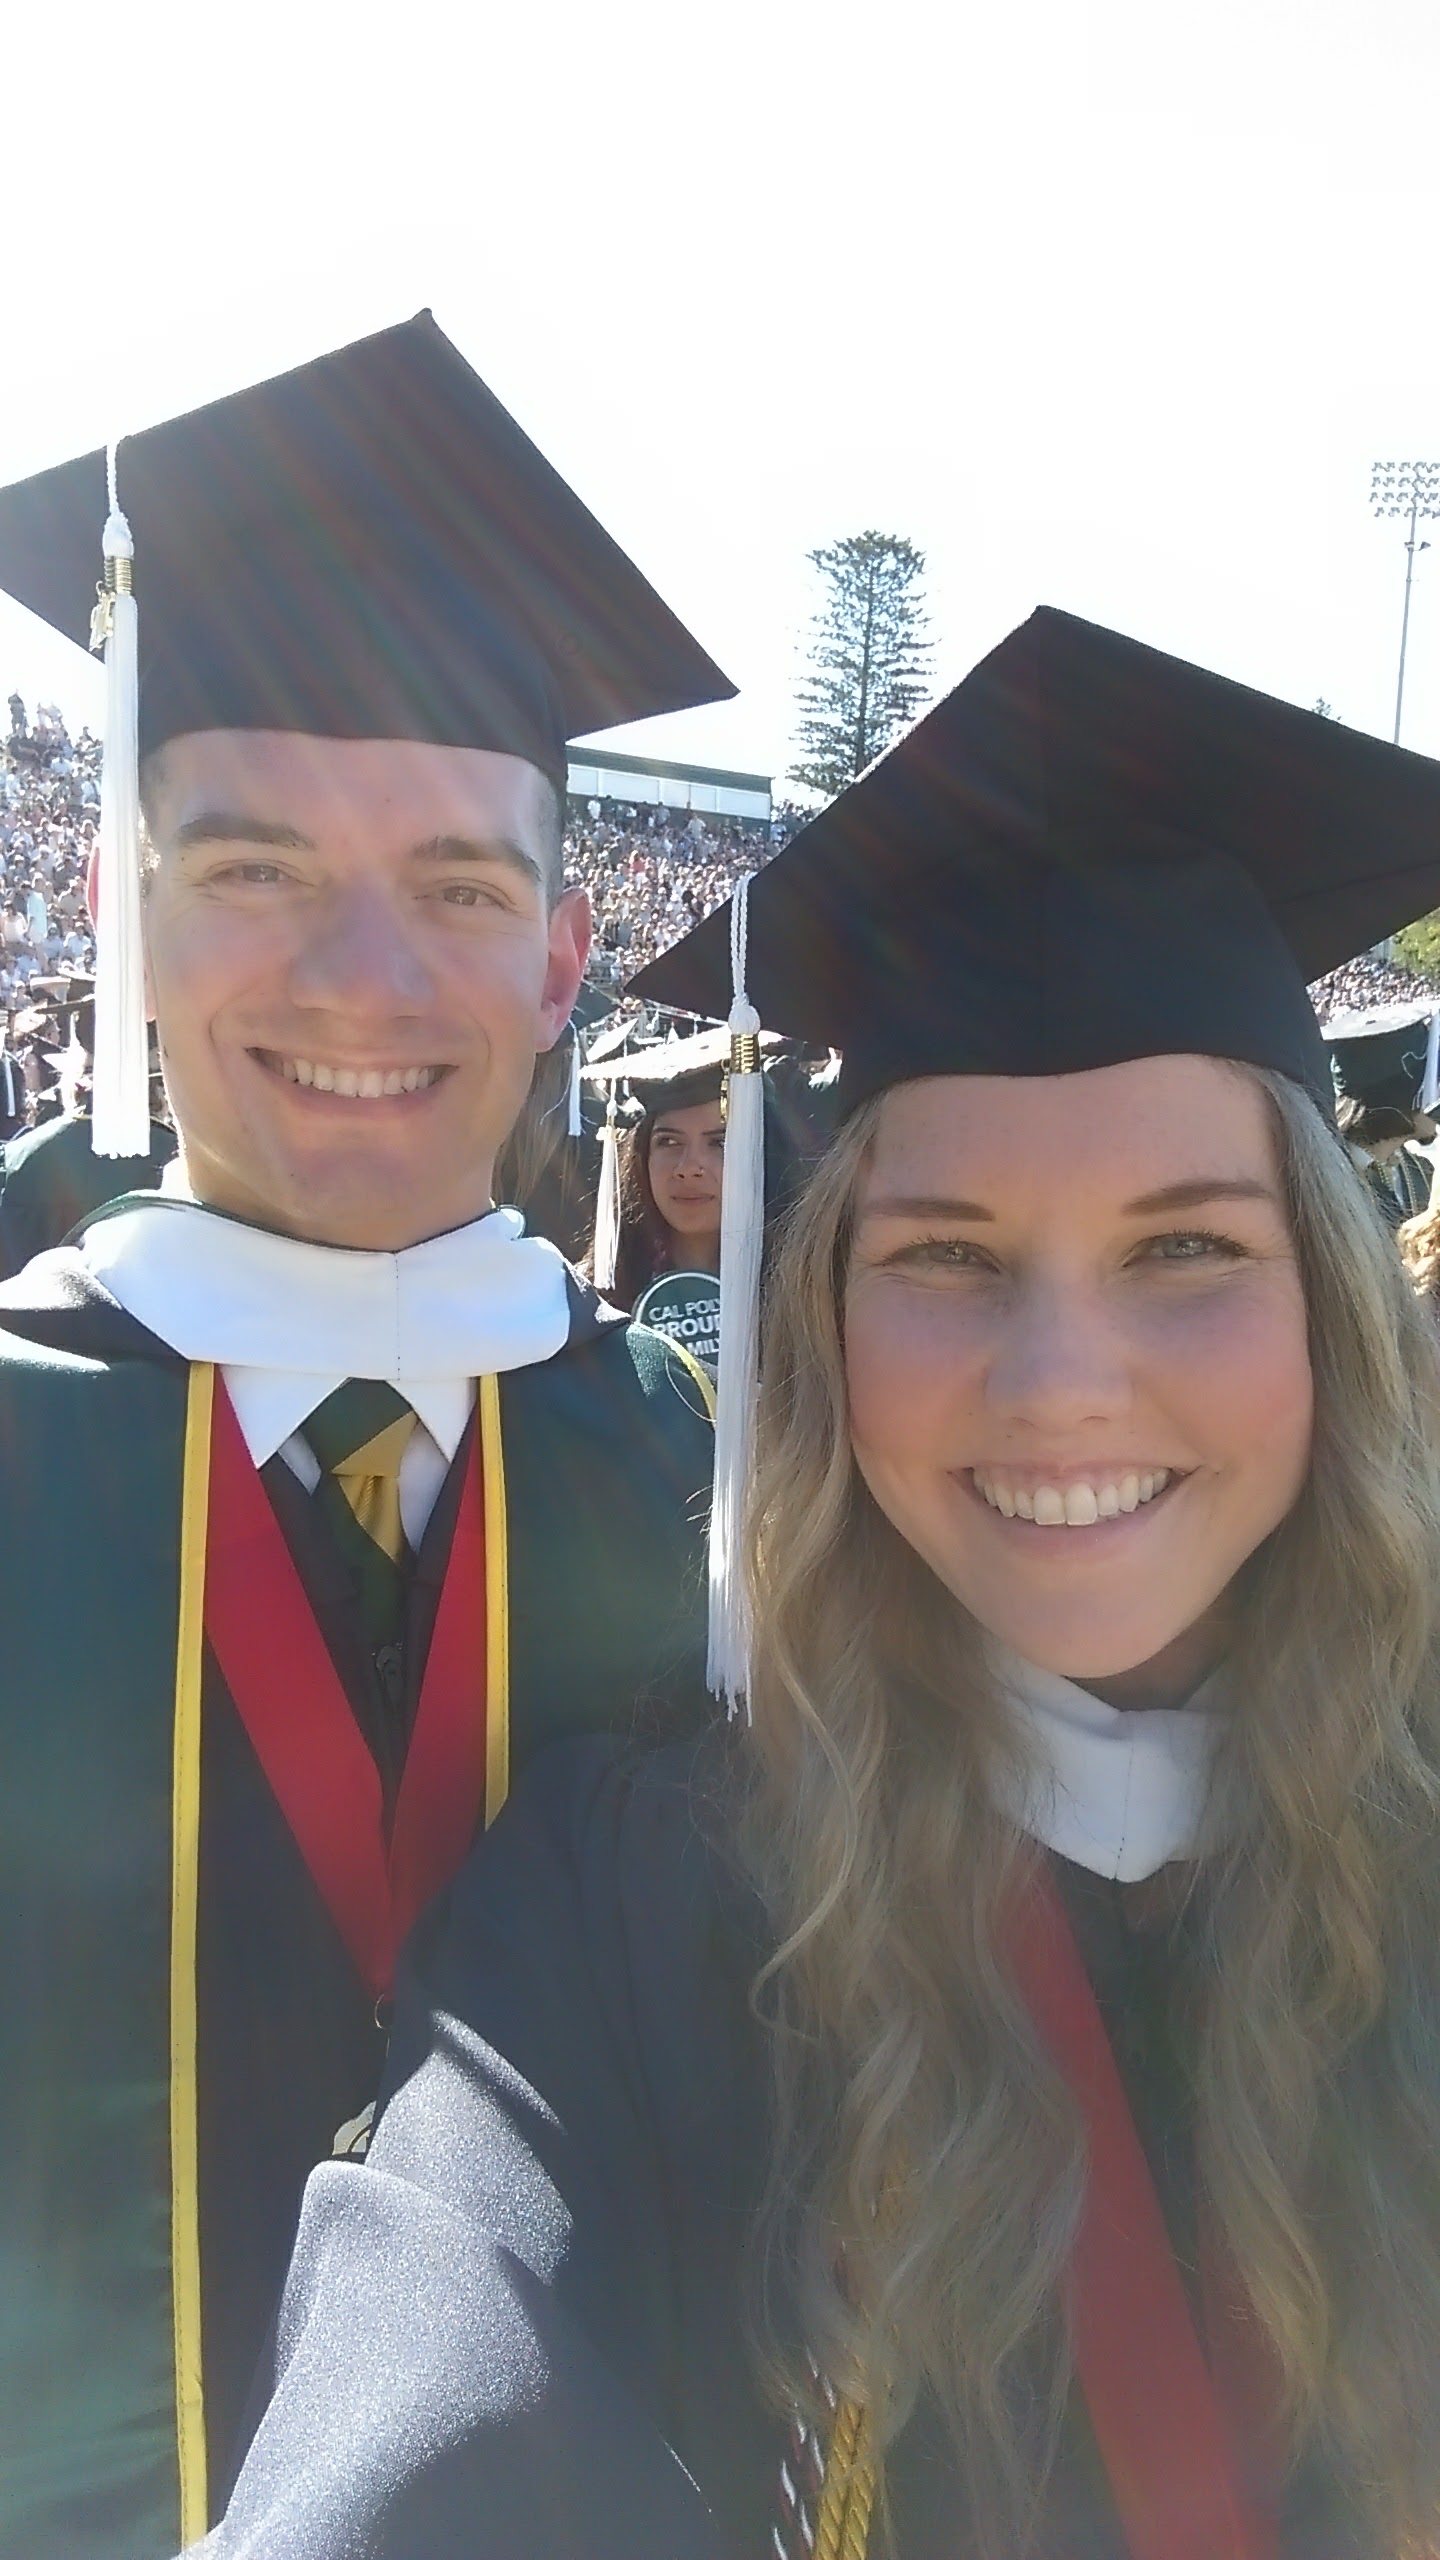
(1411, 490)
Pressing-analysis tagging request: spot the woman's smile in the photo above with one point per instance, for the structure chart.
(1079, 1499)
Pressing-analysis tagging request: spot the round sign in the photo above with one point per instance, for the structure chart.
(686, 1306)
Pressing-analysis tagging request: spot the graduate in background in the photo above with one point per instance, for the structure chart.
(1379, 1070)
(992, 2106)
(661, 1259)
(363, 1494)
(51, 1177)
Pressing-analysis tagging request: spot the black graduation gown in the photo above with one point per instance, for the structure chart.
(517, 2333)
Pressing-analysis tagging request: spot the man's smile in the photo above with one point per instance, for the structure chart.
(370, 1083)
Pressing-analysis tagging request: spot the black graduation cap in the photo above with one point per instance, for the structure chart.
(1381, 1062)
(367, 547)
(1087, 852)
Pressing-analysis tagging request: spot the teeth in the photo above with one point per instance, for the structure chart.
(358, 1084)
(1079, 1506)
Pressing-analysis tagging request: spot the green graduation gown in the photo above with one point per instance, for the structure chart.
(605, 1461)
(51, 1178)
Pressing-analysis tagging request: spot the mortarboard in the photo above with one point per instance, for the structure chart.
(1088, 852)
(367, 547)
(1383, 1059)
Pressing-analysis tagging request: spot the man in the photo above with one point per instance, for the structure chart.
(333, 1590)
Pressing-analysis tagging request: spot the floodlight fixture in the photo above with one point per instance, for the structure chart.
(1410, 490)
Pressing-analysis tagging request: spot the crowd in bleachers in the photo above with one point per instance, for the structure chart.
(1365, 984)
(653, 872)
(49, 807)
(49, 811)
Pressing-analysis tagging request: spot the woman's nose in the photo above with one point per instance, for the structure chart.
(1059, 1358)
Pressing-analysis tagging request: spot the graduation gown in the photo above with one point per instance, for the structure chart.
(606, 1457)
(517, 2332)
(51, 1178)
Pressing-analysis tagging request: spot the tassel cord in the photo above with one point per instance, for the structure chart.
(742, 1236)
(120, 1124)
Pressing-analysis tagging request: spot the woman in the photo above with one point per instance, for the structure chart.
(994, 2106)
(672, 1172)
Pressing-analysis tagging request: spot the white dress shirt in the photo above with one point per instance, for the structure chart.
(287, 1322)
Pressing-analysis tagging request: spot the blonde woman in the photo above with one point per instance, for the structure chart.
(990, 2106)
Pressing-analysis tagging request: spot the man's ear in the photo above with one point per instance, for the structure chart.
(570, 934)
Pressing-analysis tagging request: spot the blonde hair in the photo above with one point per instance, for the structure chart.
(928, 2168)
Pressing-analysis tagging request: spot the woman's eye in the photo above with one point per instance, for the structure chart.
(941, 1253)
(1193, 1245)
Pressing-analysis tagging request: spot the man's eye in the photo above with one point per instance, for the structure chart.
(260, 873)
(469, 894)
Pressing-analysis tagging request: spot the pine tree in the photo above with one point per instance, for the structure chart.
(869, 658)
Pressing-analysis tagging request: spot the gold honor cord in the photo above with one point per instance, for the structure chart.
(701, 1376)
(847, 2499)
(184, 1902)
(497, 1599)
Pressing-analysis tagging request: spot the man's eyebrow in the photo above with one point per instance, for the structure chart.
(501, 849)
(231, 826)
(928, 1205)
(1195, 1193)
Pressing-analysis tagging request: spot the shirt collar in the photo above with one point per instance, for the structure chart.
(1117, 1791)
(271, 1404)
(484, 1299)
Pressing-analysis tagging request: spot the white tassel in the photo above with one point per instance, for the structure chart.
(607, 1203)
(742, 1237)
(574, 1121)
(120, 1106)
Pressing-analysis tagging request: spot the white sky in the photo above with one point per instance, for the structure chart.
(1109, 306)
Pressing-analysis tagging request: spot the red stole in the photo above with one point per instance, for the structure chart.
(1178, 2474)
(277, 1668)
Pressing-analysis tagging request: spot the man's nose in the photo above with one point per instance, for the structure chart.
(358, 956)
